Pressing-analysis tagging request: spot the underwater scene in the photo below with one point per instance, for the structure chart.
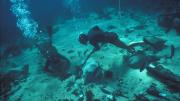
(89, 50)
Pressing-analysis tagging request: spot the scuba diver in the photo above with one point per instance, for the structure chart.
(96, 36)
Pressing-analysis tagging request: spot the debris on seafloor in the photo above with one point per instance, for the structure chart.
(89, 95)
(151, 43)
(92, 72)
(10, 79)
(70, 51)
(170, 79)
(56, 64)
(80, 99)
(12, 50)
(108, 74)
(141, 97)
(118, 92)
(107, 90)
(152, 90)
(155, 42)
(140, 60)
(109, 93)
(134, 28)
(110, 27)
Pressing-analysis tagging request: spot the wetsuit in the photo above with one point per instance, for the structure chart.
(96, 37)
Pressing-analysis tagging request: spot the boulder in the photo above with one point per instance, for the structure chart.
(157, 43)
(56, 64)
(92, 72)
(170, 79)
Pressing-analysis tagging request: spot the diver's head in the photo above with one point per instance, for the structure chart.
(83, 39)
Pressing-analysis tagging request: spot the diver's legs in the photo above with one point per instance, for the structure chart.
(120, 44)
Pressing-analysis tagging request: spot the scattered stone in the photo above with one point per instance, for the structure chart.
(81, 99)
(132, 29)
(89, 95)
(141, 97)
(11, 78)
(110, 27)
(92, 71)
(108, 74)
(56, 64)
(140, 27)
(152, 90)
(107, 90)
(70, 51)
(76, 92)
(96, 100)
(110, 98)
(118, 92)
(170, 79)
(140, 60)
(12, 50)
(129, 30)
(68, 89)
(156, 42)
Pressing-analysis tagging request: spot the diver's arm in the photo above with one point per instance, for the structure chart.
(121, 44)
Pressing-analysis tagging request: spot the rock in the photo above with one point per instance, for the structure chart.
(11, 78)
(141, 97)
(110, 27)
(90, 66)
(89, 95)
(96, 100)
(12, 50)
(140, 60)
(107, 90)
(118, 92)
(140, 27)
(76, 92)
(152, 90)
(108, 74)
(137, 27)
(110, 98)
(157, 43)
(81, 99)
(92, 71)
(129, 30)
(56, 64)
(170, 79)
(70, 51)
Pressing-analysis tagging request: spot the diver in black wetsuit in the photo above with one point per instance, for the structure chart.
(96, 36)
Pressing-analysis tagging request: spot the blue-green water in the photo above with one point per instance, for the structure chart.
(89, 50)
